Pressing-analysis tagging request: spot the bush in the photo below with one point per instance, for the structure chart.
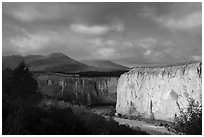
(19, 83)
(94, 124)
(24, 118)
(29, 119)
(23, 81)
(190, 121)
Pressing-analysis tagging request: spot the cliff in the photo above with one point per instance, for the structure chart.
(159, 92)
(85, 90)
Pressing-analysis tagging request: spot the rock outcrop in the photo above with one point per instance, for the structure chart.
(89, 91)
(159, 92)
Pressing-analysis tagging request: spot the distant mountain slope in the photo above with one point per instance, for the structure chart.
(56, 62)
(30, 58)
(104, 64)
(59, 62)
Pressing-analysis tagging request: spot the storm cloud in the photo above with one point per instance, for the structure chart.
(128, 33)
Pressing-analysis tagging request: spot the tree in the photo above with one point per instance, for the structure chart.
(19, 94)
(23, 82)
(190, 121)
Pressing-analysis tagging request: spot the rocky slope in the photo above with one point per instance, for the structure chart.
(89, 91)
(159, 92)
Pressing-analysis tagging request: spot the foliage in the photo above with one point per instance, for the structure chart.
(29, 119)
(23, 118)
(94, 124)
(21, 113)
(19, 83)
(110, 73)
(23, 81)
(190, 121)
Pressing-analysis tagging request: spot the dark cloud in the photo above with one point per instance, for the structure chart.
(128, 33)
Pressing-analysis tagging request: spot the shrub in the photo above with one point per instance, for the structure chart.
(29, 119)
(19, 83)
(190, 121)
(94, 124)
(25, 118)
(23, 82)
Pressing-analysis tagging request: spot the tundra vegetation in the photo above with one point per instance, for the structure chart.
(189, 121)
(24, 111)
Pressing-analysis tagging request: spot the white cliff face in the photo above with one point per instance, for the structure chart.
(159, 92)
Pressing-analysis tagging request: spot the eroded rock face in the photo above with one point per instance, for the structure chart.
(159, 92)
(91, 91)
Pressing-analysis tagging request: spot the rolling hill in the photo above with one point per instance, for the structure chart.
(55, 62)
(59, 62)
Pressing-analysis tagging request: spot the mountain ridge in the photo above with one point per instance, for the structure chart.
(58, 62)
(104, 64)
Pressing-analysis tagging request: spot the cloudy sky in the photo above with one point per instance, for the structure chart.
(128, 33)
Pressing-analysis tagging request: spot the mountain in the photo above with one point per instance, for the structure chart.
(30, 58)
(104, 65)
(58, 62)
(55, 62)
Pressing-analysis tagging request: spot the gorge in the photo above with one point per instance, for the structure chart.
(153, 92)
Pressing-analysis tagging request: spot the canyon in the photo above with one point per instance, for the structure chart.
(152, 92)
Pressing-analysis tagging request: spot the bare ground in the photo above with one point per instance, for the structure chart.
(134, 124)
(147, 127)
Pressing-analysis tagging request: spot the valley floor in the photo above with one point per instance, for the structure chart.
(149, 128)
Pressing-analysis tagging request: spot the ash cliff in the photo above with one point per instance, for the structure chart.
(159, 92)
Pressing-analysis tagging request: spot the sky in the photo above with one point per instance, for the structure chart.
(127, 33)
